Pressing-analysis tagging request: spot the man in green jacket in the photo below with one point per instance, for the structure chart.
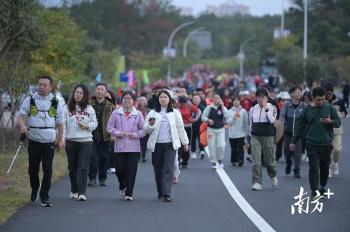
(316, 123)
(101, 148)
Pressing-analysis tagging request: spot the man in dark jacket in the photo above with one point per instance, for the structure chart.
(317, 122)
(289, 117)
(101, 149)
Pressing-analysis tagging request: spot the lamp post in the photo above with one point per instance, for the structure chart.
(184, 52)
(168, 51)
(305, 40)
(241, 57)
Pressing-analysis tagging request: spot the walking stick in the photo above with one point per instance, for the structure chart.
(21, 139)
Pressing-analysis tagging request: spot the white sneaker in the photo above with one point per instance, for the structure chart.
(336, 168)
(221, 165)
(214, 165)
(193, 155)
(73, 195)
(256, 186)
(303, 157)
(82, 198)
(274, 181)
(122, 193)
(111, 170)
(127, 198)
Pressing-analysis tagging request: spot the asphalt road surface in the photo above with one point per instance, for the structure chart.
(204, 200)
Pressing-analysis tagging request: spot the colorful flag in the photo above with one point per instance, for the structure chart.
(131, 79)
(145, 77)
(98, 77)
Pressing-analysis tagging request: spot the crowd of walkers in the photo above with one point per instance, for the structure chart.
(175, 123)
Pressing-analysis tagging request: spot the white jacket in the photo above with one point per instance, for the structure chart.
(178, 133)
(238, 127)
(72, 130)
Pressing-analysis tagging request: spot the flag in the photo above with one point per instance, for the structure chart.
(131, 78)
(123, 77)
(145, 77)
(98, 77)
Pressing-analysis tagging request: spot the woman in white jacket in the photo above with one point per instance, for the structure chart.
(80, 121)
(238, 130)
(167, 133)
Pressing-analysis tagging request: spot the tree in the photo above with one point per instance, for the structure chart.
(61, 52)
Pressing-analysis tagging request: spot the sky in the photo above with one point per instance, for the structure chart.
(257, 7)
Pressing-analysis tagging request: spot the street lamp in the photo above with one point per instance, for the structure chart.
(305, 39)
(184, 52)
(241, 57)
(168, 51)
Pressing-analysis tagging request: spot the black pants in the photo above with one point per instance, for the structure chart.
(38, 152)
(99, 161)
(78, 155)
(163, 160)
(279, 149)
(185, 155)
(143, 143)
(196, 138)
(126, 170)
(237, 150)
(319, 160)
(346, 100)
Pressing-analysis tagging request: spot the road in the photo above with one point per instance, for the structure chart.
(201, 203)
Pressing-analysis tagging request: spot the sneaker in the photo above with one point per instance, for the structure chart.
(144, 160)
(127, 198)
(112, 170)
(234, 164)
(167, 198)
(322, 190)
(249, 158)
(274, 181)
(92, 183)
(221, 165)
(202, 155)
(193, 155)
(303, 157)
(102, 182)
(160, 197)
(330, 172)
(34, 196)
(122, 193)
(240, 164)
(256, 186)
(46, 203)
(73, 195)
(82, 197)
(336, 168)
(214, 166)
(297, 174)
(288, 168)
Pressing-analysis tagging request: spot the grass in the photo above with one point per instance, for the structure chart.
(15, 188)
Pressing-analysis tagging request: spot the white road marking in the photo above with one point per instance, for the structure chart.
(257, 220)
